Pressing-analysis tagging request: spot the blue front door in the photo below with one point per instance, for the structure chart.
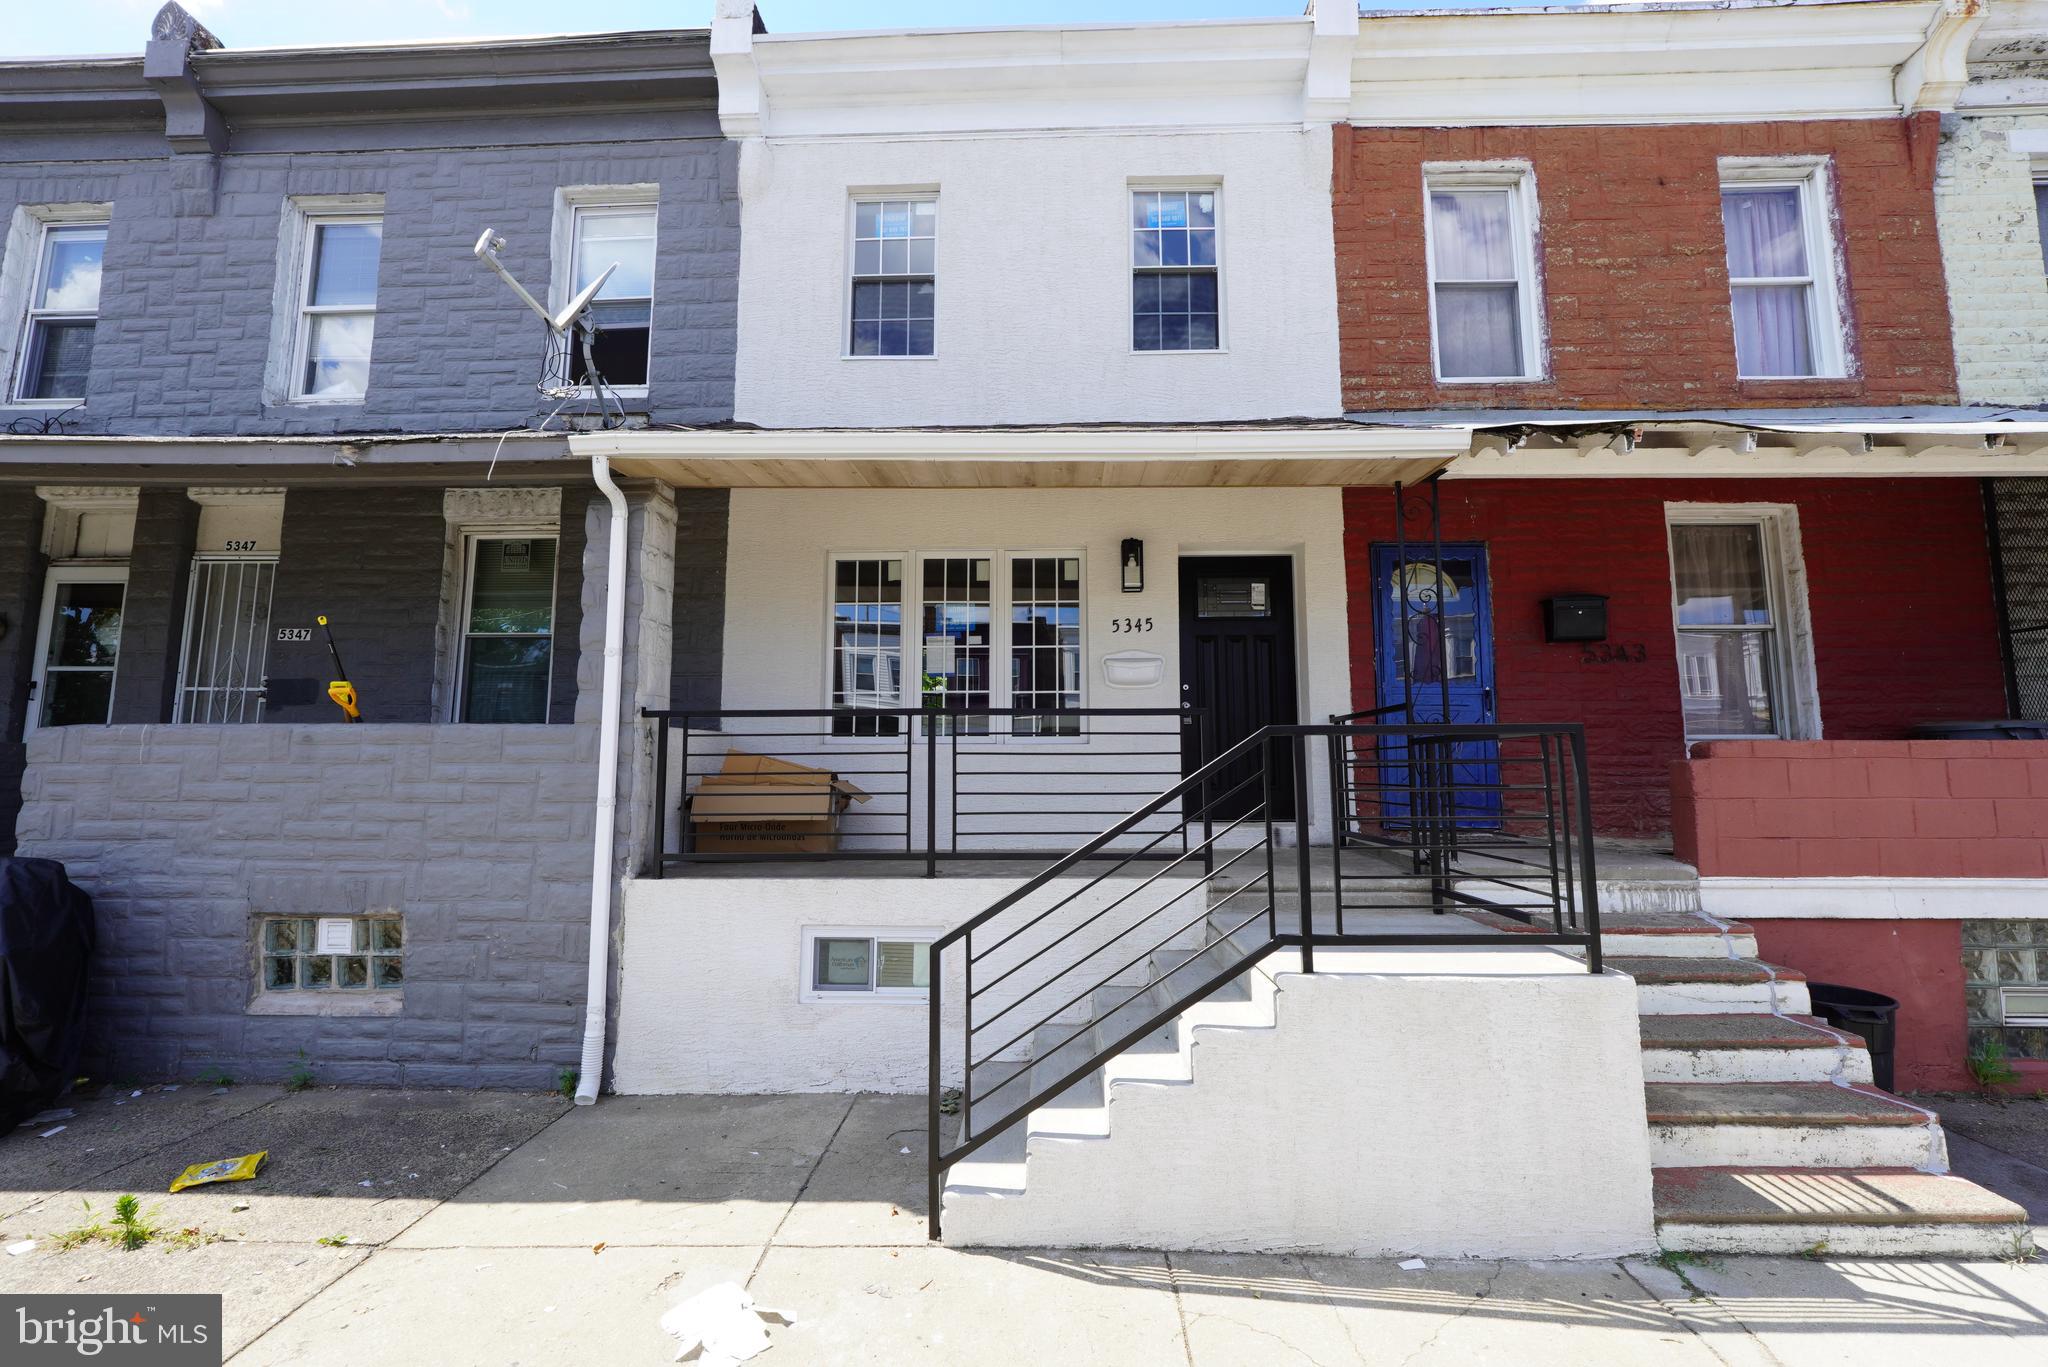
(1443, 644)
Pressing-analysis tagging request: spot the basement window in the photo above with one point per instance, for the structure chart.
(867, 964)
(333, 953)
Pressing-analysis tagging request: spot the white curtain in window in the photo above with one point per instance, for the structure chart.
(1478, 309)
(1478, 331)
(1767, 241)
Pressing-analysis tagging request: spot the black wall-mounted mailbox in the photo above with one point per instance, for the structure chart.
(1575, 617)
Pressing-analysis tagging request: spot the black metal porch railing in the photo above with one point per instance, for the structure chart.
(908, 783)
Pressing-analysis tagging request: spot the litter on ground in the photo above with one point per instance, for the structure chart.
(1414, 1265)
(220, 1170)
(54, 1129)
(721, 1326)
(49, 1117)
(15, 1250)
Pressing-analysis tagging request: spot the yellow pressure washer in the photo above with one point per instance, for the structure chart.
(340, 691)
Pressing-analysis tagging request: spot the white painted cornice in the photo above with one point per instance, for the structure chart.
(1934, 76)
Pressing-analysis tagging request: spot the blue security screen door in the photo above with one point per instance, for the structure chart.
(1445, 646)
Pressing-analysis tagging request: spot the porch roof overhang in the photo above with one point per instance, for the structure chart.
(1316, 453)
(1947, 441)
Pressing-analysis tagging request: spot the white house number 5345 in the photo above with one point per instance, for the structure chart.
(1120, 625)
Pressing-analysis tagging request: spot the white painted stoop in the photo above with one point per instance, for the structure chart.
(1690, 1065)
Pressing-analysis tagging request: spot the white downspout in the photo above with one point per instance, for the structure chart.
(605, 835)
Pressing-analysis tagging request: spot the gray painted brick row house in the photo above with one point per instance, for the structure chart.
(255, 376)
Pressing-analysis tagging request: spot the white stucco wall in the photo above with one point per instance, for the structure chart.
(777, 607)
(711, 974)
(1033, 253)
(1991, 249)
(1475, 1103)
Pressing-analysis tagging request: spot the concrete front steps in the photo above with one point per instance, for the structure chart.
(1766, 1132)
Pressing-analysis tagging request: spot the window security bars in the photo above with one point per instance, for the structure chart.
(227, 635)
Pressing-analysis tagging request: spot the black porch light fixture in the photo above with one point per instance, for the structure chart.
(1134, 565)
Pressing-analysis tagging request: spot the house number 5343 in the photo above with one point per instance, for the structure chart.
(1124, 624)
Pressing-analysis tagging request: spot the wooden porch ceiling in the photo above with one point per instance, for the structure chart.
(1250, 455)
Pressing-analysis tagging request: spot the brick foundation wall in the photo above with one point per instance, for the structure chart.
(1633, 264)
(1901, 809)
(1898, 588)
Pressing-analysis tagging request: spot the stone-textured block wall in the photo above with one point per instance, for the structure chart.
(21, 599)
(1898, 589)
(185, 835)
(1633, 264)
(185, 320)
(699, 623)
(153, 611)
(1991, 243)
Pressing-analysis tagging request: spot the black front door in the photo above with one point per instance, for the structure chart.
(1237, 664)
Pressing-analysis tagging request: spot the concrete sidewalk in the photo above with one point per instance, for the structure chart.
(499, 1228)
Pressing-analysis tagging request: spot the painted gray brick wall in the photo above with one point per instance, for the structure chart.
(184, 835)
(153, 612)
(21, 597)
(186, 302)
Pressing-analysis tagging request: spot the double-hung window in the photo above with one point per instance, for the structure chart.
(1175, 288)
(1779, 280)
(895, 277)
(1731, 649)
(617, 234)
(508, 614)
(1482, 271)
(63, 312)
(337, 307)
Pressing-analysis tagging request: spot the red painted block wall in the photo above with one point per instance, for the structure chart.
(1633, 264)
(1918, 962)
(1899, 589)
(1863, 809)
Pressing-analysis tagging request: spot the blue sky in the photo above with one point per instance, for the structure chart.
(97, 26)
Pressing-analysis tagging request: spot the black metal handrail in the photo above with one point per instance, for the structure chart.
(896, 783)
(1043, 952)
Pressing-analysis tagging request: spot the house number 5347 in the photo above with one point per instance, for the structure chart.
(1124, 624)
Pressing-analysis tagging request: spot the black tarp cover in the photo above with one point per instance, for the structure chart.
(47, 937)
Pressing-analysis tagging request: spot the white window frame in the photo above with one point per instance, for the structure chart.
(70, 574)
(21, 272)
(291, 326)
(1824, 279)
(811, 994)
(458, 689)
(1519, 178)
(999, 629)
(1131, 268)
(847, 279)
(1795, 698)
(571, 203)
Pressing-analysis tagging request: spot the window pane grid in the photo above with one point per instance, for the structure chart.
(1045, 642)
(895, 281)
(957, 620)
(867, 643)
(1174, 286)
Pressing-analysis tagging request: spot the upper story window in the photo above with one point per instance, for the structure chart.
(613, 228)
(1175, 299)
(1780, 277)
(332, 287)
(895, 277)
(2041, 218)
(63, 311)
(1482, 276)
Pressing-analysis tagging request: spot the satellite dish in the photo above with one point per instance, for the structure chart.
(573, 310)
(487, 248)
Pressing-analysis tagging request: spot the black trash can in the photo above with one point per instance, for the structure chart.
(1872, 1015)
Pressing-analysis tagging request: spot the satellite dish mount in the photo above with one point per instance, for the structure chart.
(572, 319)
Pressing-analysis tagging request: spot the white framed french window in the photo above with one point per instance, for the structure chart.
(892, 275)
(1486, 320)
(888, 965)
(325, 304)
(1175, 230)
(596, 226)
(504, 672)
(1740, 622)
(1784, 269)
(52, 278)
(78, 646)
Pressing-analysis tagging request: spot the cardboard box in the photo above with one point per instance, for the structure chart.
(757, 804)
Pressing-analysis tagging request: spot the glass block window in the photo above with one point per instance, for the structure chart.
(1174, 285)
(2005, 985)
(294, 960)
(508, 640)
(956, 622)
(873, 965)
(1045, 641)
(63, 312)
(895, 277)
(337, 307)
(867, 643)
